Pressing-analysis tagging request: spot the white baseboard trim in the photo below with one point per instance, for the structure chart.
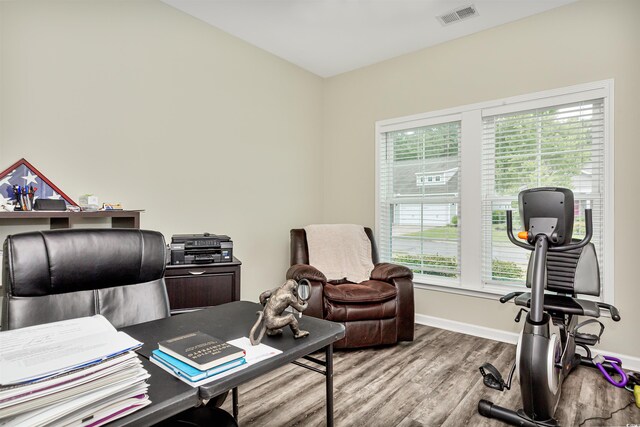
(628, 362)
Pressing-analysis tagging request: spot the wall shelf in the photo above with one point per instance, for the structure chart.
(62, 219)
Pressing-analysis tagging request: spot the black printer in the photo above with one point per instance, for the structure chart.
(203, 248)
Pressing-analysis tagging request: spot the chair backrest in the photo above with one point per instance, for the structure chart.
(300, 250)
(571, 272)
(63, 274)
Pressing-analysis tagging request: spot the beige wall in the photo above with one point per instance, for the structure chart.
(142, 104)
(139, 103)
(582, 42)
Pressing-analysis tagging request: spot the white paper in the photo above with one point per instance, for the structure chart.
(14, 395)
(254, 353)
(115, 411)
(44, 350)
(102, 411)
(51, 413)
(126, 374)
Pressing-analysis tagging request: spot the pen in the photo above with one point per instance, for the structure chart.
(25, 196)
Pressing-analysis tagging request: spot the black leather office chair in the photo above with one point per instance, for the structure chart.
(64, 274)
(55, 275)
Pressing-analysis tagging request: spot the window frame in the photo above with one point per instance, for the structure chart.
(471, 116)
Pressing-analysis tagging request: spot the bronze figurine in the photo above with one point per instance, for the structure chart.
(273, 316)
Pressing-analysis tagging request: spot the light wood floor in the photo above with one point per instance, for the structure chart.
(433, 381)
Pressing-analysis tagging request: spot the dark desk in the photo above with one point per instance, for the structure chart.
(227, 322)
(192, 286)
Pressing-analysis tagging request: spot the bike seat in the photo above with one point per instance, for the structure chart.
(562, 304)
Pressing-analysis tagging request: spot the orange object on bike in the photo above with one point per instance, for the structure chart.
(524, 235)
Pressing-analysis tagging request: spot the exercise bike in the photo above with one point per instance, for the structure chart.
(564, 266)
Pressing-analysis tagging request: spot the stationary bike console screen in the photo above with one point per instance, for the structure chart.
(542, 210)
(559, 269)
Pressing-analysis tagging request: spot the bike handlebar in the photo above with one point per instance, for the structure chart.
(511, 236)
(510, 296)
(570, 246)
(615, 314)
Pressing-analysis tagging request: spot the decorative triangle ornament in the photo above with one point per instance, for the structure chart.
(24, 175)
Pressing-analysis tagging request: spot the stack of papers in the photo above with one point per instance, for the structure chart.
(77, 372)
(253, 355)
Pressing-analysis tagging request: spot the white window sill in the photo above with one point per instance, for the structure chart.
(477, 293)
(491, 292)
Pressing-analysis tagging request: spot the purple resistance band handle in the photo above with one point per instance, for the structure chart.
(615, 364)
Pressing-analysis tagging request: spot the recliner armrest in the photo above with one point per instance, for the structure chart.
(386, 271)
(305, 271)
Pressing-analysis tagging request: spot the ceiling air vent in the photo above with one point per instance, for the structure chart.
(458, 14)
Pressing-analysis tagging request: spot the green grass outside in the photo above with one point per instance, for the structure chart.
(451, 232)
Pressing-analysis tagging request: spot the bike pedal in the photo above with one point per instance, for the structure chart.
(519, 315)
(587, 339)
(491, 377)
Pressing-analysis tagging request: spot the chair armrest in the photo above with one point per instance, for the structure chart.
(402, 278)
(386, 272)
(405, 308)
(305, 271)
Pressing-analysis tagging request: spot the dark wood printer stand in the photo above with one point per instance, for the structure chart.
(194, 286)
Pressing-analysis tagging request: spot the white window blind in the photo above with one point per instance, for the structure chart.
(419, 200)
(558, 146)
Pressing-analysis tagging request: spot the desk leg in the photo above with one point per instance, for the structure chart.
(234, 394)
(328, 373)
(329, 381)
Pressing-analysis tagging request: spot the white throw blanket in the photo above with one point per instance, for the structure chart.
(340, 251)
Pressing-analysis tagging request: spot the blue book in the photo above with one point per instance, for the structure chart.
(183, 370)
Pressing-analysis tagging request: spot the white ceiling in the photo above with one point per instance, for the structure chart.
(329, 37)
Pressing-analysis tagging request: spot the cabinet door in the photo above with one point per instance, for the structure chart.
(187, 292)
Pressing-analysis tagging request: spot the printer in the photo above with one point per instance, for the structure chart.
(203, 248)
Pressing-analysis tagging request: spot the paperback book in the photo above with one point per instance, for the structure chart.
(200, 350)
(181, 369)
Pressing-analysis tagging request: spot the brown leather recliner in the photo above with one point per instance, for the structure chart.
(374, 312)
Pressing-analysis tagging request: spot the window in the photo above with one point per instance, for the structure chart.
(419, 201)
(559, 146)
(445, 179)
